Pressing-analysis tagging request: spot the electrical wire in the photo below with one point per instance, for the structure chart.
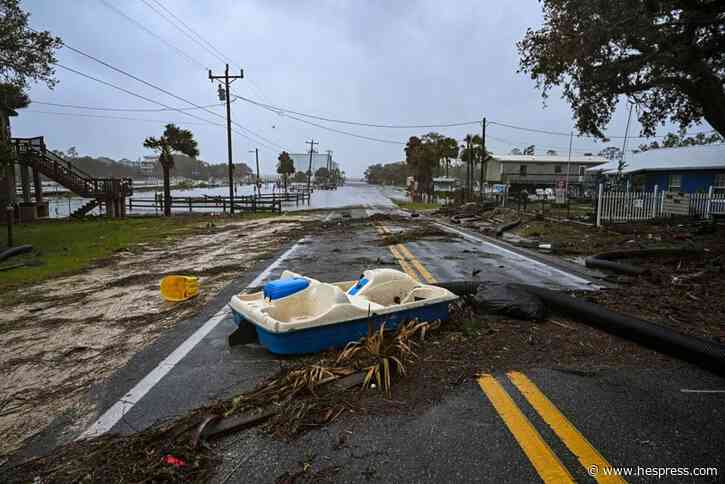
(181, 52)
(202, 39)
(281, 110)
(214, 51)
(168, 93)
(346, 133)
(140, 96)
(100, 116)
(284, 111)
(129, 110)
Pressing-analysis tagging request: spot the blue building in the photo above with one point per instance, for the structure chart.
(688, 169)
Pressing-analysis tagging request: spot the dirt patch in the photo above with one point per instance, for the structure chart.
(63, 336)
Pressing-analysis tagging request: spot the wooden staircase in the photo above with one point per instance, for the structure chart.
(112, 191)
(85, 208)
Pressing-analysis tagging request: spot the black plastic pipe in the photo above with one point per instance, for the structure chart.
(606, 260)
(705, 353)
(13, 251)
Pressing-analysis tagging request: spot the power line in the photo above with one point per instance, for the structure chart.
(347, 133)
(280, 110)
(183, 53)
(153, 34)
(224, 57)
(100, 116)
(140, 96)
(129, 110)
(142, 81)
(205, 44)
(189, 36)
(284, 111)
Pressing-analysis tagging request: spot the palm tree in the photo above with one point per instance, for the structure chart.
(285, 167)
(449, 150)
(174, 140)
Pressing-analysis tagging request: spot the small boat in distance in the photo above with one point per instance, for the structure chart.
(298, 315)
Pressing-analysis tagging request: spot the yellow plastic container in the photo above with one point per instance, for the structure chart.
(179, 288)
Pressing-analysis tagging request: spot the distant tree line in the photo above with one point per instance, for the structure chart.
(387, 174)
(184, 166)
(433, 155)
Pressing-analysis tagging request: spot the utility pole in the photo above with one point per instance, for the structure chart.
(312, 144)
(329, 166)
(258, 185)
(483, 153)
(469, 178)
(568, 162)
(225, 95)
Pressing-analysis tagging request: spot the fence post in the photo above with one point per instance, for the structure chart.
(224, 206)
(654, 202)
(189, 204)
(707, 202)
(599, 206)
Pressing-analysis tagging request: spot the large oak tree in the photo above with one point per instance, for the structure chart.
(667, 56)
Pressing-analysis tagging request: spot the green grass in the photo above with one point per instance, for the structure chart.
(417, 205)
(66, 246)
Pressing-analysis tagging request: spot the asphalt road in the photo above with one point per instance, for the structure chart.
(499, 429)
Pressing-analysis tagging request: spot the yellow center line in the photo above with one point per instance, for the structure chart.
(417, 264)
(403, 263)
(382, 230)
(546, 463)
(405, 258)
(589, 457)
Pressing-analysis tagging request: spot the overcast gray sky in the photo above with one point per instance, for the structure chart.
(413, 62)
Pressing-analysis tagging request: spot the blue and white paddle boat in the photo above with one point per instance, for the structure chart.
(297, 314)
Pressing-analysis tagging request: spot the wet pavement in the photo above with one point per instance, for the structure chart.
(629, 417)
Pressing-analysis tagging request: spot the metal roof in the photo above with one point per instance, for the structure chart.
(699, 157)
(549, 159)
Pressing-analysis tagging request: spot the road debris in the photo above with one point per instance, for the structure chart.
(106, 314)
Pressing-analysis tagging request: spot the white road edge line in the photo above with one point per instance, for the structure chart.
(113, 415)
(568, 275)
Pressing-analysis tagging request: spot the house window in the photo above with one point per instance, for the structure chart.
(522, 170)
(557, 169)
(674, 183)
(581, 170)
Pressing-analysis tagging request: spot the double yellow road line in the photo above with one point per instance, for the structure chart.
(544, 460)
(408, 262)
(542, 457)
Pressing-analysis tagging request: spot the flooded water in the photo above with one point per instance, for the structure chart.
(350, 195)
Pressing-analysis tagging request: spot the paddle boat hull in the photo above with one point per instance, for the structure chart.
(313, 316)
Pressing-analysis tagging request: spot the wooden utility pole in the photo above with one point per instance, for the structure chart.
(330, 176)
(469, 188)
(226, 94)
(312, 144)
(483, 153)
(257, 185)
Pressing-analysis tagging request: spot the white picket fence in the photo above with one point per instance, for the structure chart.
(623, 207)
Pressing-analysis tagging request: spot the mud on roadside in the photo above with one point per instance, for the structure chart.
(62, 336)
